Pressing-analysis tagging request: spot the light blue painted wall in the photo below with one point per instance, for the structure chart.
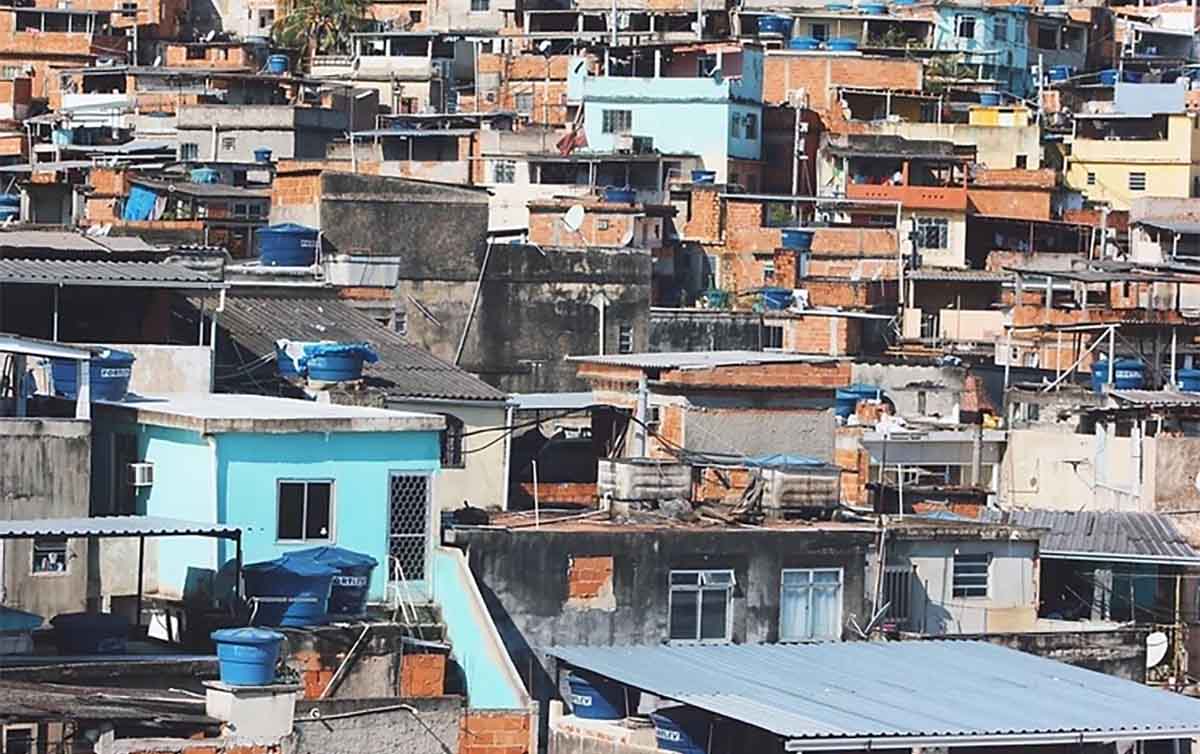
(749, 86)
(1011, 61)
(359, 463)
(700, 128)
(739, 146)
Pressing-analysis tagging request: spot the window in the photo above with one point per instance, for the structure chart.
(504, 171)
(19, 739)
(266, 18)
(228, 143)
(964, 26)
(1000, 29)
(820, 32)
(452, 442)
(305, 511)
(712, 271)
(481, 6)
(50, 555)
(1022, 162)
(653, 419)
(699, 605)
(1137, 181)
(810, 604)
(616, 121)
(1047, 37)
(1091, 179)
(772, 336)
(525, 103)
(768, 268)
(625, 339)
(971, 575)
(189, 151)
(706, 65)
(400, 322)
(932, 232)
(751, 123)
(897, 593)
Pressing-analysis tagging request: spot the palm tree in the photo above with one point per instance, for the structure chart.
(320, 26)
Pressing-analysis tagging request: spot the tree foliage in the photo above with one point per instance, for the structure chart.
(317, 27)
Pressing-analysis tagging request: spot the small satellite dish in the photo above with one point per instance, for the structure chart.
(1196, 484)
(157, 61)
(1156, 648)
(573, 218)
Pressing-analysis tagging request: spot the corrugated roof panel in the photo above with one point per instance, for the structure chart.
(103, 272)
(1125, 535)
(881, 690)
(111, 526)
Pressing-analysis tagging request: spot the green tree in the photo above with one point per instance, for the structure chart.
(321, 26)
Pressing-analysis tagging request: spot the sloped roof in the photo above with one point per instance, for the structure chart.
(96, 272)
(255, 319)
(1103, 535)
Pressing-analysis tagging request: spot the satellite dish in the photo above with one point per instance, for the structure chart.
(157, 61)
(210, 35)
(1156, 648)
(573, 218)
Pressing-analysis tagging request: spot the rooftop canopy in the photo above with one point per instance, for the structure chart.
(114, 526)
(898, 695)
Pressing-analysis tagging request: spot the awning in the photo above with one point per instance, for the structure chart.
(115, 526)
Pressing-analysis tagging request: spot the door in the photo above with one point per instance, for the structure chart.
(409, 531)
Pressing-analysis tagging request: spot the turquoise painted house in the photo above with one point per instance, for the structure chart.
(699, 103)
(993, 39)
(291, 473)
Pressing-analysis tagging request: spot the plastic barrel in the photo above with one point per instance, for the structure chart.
(775, 299)
(90, 633)
(1108, 76)
(12, 619)
(287, 245)
(1189, 380)
(337, 362)
(277, 64)
(804, 43)
(704, 176)
(799, 239)
(842, 44)
(1059, 72)
(681, 729)
(262, 155)
(247, 656)
(779, 25)
(595, 698)
(109, 372)
(297, 593)
(205, 175)
(348, 595)
(620, 195)
(1128, 374)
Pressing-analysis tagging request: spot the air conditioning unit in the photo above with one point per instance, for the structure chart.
(623, 143)
(141, 474)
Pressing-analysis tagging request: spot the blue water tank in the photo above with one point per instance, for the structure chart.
(1189, 380)
(799, 239)
(350, 586)
(262, 154)
(12, 619)
(704, 176)
(682, 729)
(338, 362)
(989, 99)
(109, 375)
(839, 7)
(205, 175)
(775, 299)
(1108, 76)
(90, 633)
(1128, 374)
(291, 358)
(620, 195)
(596, 698)
(10, 206)
(781, 25)
(277, 64)
(804, 43)
(1060, 72)
(846, 399)
(296, 592)
(287, 245)
(247, 656)
(842, 44)
(872, 9)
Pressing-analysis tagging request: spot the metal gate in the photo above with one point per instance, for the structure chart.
(408, 526)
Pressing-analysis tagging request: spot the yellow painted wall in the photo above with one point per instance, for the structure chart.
(1169, 165)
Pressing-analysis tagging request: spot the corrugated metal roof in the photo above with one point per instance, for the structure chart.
(97, 272)
(1159, 398)
(965, 276)
(112, 526)
(882, 694)
(254, 320)
(1103, 535)
(701, 359)
(19, 344)
(552, 401)
(61, 240)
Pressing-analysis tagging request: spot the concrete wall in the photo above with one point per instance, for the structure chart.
(483, 457)
(45, 468)
(698, 330)
(374, 726)
(1012, 601)
(1119, 652)
(805, 430)
(903, 384)
(169, 369)
(1051, 468)
(525, 577)
(996, 147)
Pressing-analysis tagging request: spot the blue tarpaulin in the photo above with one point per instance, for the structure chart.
(781, 460)
(139, 205)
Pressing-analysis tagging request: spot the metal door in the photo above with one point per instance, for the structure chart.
(409, 532)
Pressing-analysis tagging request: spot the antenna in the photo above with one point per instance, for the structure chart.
(573, 218)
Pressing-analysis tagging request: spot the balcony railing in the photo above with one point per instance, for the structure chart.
(914, 197)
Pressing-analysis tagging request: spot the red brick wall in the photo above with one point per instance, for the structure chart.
(785, 376)
(422, 675)
(589, 577)
(546, 228)
(704, 219)
(1029, 204)
(494, 733)
(818, 74)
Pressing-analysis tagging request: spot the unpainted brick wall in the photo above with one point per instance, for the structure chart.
(494, 732)
(588, 577)
(422, 675)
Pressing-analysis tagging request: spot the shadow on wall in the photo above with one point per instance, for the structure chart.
(538, 683)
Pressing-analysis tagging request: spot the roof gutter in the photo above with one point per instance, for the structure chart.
(1105, 557)
(872, 743)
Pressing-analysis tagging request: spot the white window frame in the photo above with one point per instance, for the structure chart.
(1000, 28)
(481, 6)
(31, 727)
(616, 121)
(519, 98)
(961, 20)
(189, 151)
(504, 168)
(921, 226)
(967, 591)
(332, 535)
(66, 558)
(702, 574)
(772, 329)
(841, 583)
(821, 35)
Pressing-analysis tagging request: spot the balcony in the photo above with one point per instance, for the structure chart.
(912, 197)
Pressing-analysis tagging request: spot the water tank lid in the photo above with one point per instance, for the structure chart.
(362, 350)
(115, 356)
(337, 557)
(246, 635)
(288, 228)
(12, 619)
(291, 568)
